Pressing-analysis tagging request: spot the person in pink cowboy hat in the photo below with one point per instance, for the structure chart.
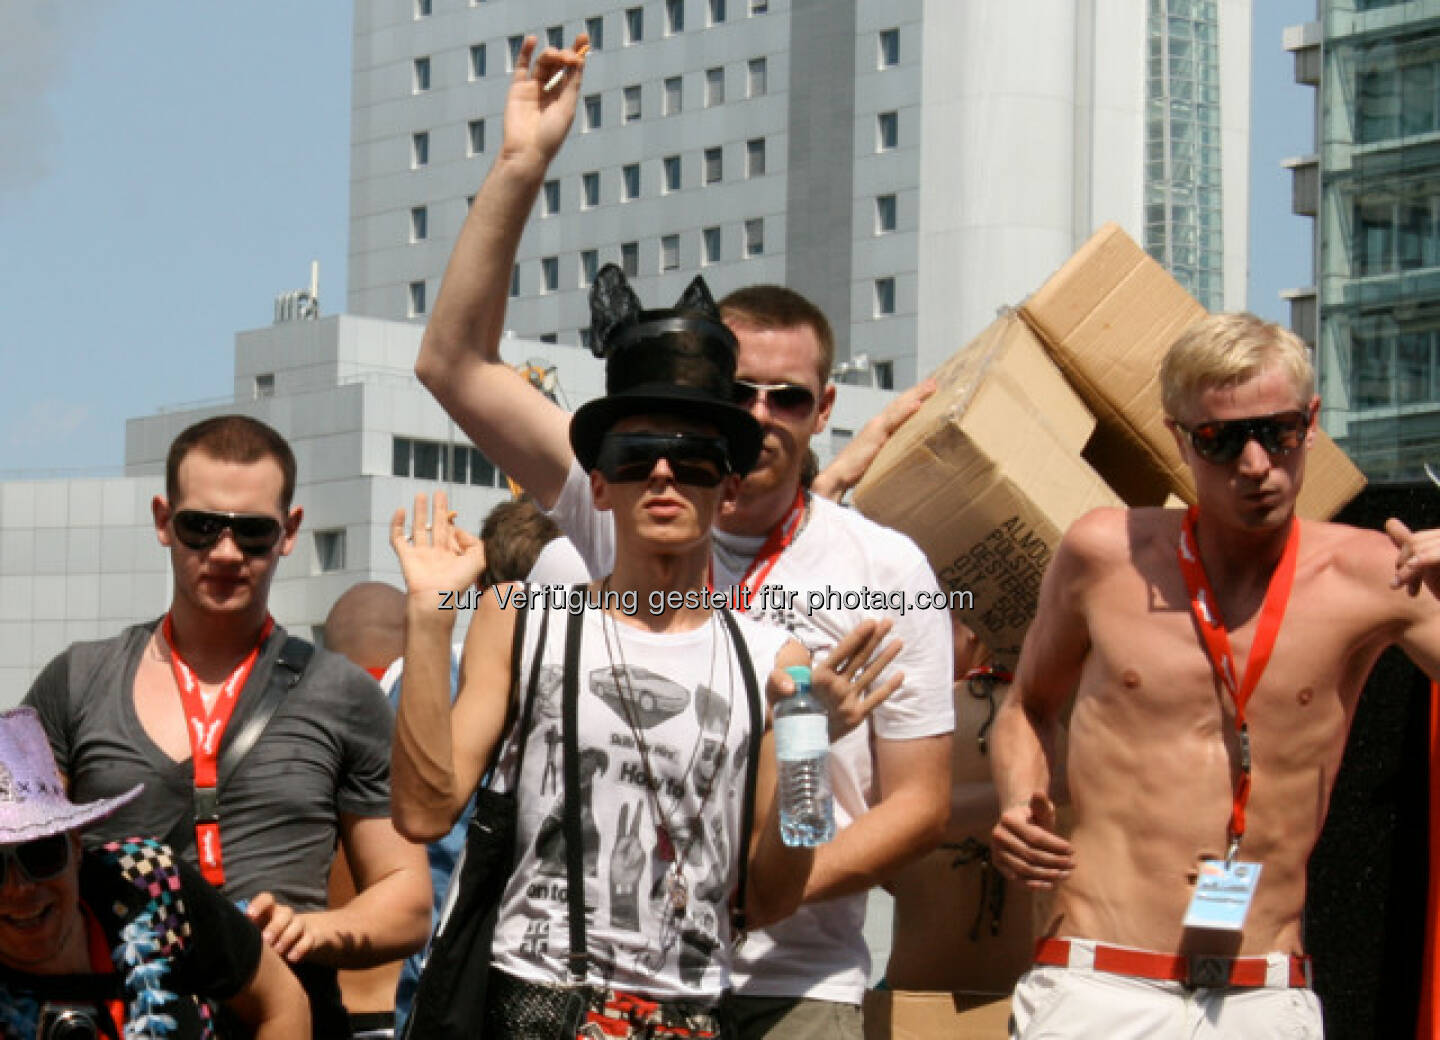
(124, 940)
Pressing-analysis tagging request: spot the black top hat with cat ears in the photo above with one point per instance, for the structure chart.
(662, 362)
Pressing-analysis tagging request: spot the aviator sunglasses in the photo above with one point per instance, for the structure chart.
(255, 534)
(784, 398)
(1222, 441)
(38, 860)
(695, 458)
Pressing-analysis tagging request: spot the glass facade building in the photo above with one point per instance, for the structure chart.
(1183, 212)
(1378, 232)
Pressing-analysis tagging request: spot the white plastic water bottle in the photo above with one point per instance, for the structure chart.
(802, 746)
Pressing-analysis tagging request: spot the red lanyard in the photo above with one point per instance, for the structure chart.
(776, 542)
(1216, 639)
(206, 730)
(100, 963)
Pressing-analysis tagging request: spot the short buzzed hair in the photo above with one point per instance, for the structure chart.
(1223, 350)
(367, 624)
(776, 307)
(231, 438)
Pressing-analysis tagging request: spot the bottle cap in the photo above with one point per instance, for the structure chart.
(801, 674)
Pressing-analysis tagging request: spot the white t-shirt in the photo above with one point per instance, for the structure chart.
(558, 564)
(686, 697)
(820, 951)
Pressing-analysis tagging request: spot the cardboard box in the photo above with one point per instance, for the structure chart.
(987, 476)
(1107, 317)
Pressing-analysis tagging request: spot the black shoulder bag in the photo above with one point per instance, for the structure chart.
(449, 999)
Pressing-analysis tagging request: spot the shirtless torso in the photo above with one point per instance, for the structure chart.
(1153, 753)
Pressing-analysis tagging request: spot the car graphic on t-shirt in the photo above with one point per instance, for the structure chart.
(643, 697)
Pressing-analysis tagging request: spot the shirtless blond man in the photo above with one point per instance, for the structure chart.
(1156, 758)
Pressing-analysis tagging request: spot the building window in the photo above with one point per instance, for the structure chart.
(885, 375)
(549, 337)
(421, 81)
(759, 7)
(672, 173)
(592, 112)
(674, 17)
(417, 299)
(420, 148)
(634, 25)
(589, 265)
(710, 239)
(513, 44)
(422, 8)
(476, 128)
(755, 84)
(630, 182)
(669, 252)
(549, 274)
(469, 201)
(884, 297)
(755, 157)
(754, 237)
(419, 223)
(400, 457)
(329, 551)
(589, 189)
(632, 104)
(884, 214)
(715, 86)
(550, 204)
(265, 384)
(672, 96)
(555, 37)
(630, 258)
(595, 29)
(717, 11)
(714, 165)
(889, 54)
(887, 131)
(477, 61)
(514, 279)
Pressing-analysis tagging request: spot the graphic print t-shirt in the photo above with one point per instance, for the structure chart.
(684, 695)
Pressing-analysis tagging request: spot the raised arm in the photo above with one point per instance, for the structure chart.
(1027, 726)
(515, 425)
(440, 751)
(846, 469)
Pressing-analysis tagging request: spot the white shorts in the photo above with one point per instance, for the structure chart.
(1054, 1003)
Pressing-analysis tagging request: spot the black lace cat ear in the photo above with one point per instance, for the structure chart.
(612, 304)
(696, 297)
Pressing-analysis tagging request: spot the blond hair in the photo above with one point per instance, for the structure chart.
(1223, 350)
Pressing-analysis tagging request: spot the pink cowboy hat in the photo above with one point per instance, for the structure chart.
(32, 796)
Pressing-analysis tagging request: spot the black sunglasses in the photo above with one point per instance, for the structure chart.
(786, 398)
(695, 458)
(1222, 441)
(38, 860)
(255, 534)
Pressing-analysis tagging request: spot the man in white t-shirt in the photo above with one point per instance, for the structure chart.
(811, 566)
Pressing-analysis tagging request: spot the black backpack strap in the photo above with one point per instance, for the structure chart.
(752, 765)
(574, 836)
(285, 674)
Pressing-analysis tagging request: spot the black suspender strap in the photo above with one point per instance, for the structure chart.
(752, 765)
(574, 836)
(516, 653)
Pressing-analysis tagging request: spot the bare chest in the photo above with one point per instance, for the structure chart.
(159, 709)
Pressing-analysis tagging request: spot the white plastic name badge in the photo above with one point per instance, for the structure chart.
(1222, 894)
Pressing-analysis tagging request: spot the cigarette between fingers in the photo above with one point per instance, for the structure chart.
(453, 514)
(554, 81)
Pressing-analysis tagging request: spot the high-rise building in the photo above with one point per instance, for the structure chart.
(910, 165)
(1373, 187)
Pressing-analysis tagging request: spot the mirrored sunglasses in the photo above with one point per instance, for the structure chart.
(781, 398)
(1222, 441)
(255, 534)
(695, 459)
(38, 860)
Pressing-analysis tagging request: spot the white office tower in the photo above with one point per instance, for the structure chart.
(909, 165)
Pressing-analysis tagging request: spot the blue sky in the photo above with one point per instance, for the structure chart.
(169, 167)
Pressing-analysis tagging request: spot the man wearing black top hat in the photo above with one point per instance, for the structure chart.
(666, 728)
(806, 976)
